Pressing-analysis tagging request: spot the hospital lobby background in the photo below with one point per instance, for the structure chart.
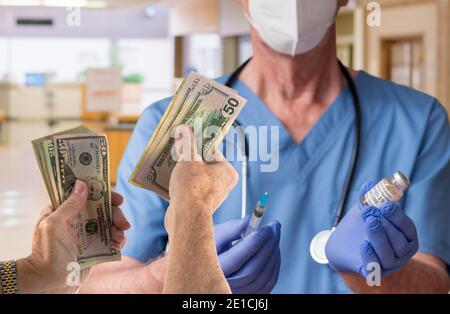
(43, 63)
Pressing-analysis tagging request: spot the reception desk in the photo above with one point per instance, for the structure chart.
(60, 101)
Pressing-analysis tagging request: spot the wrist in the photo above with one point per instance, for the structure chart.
(28, 278)
(186, 206)
(33, 277)
(185, 217)
(187, 213)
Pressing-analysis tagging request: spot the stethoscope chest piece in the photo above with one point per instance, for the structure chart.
(317, 246)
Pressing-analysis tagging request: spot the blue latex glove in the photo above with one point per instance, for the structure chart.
(367, 234)
(252, 265)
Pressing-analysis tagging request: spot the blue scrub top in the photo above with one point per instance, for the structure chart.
(402, 129)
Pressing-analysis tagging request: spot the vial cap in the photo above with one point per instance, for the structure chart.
(402, 180)
(263, 200)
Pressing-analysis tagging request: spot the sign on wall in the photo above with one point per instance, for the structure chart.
(103, 89)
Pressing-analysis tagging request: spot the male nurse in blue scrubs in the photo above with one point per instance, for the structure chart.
(293, 82)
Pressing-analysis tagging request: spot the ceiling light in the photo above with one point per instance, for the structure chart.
(150, 11)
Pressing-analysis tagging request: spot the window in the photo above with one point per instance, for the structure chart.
(66, 58)
(402, 61)
(153, 60)
(204, 54)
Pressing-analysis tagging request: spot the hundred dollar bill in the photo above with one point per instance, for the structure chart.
(82, 154)
(200, 103)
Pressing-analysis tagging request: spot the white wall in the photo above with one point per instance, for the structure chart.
(94, 23)
(232, 19)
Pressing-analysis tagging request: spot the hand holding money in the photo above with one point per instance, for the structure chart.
(213, 180)
(54, 249)
(81, 154)
(196, 189)
(208, 108)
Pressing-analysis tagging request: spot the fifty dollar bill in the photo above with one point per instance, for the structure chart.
(81, 154)
(198, 100)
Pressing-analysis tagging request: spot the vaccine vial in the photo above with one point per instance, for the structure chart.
(390, 189)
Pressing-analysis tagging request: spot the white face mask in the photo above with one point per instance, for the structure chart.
(292, 27)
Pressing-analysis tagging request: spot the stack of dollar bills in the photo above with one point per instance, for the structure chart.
(81, 154)
(198, 101)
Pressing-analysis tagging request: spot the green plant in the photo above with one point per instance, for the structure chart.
(134, 78)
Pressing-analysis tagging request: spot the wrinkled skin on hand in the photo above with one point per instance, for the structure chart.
(55, 241)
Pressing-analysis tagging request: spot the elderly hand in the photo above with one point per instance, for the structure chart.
(366, 235)
(55, 244)
(194, 182)
(196, 190)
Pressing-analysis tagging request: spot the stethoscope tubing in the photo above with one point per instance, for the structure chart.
(355, 150)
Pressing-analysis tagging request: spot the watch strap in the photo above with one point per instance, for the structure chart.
(8, 277)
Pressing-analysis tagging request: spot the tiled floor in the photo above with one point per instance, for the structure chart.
(22, 191)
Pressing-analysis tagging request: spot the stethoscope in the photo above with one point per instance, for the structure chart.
(317, 246)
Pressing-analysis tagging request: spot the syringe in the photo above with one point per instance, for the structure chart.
(257, 216)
